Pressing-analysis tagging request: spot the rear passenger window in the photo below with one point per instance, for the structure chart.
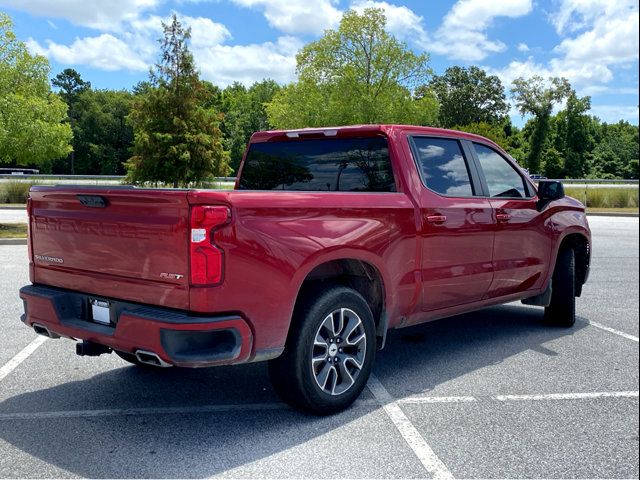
(444, 168)
(332, 165)
(502, 178)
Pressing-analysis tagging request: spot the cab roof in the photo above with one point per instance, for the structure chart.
(388, 130)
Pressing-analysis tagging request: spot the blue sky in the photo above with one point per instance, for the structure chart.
(111, 43)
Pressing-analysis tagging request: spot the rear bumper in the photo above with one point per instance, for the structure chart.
(176, 337)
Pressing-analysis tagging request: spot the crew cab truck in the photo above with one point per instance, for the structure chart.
(330, 238)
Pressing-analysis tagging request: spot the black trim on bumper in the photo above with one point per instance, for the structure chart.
(72, 308)
(201, 345)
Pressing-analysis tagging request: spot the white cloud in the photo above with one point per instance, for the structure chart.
(604, 89)
(614, 113)
(580, 75)
(523, 47)
(224, 64)
(462, 34)
(574, 15)
(104, 52)
(402, 22)
(136, 49)
(103, 15)
(603, 36)
(517, 69)
(205, 32)
(611, 40)
(297, 16)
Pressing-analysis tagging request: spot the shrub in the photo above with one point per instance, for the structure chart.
(14, 191)
(605, 197)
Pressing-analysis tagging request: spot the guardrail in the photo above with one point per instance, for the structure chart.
(96, 178)
(596, 181)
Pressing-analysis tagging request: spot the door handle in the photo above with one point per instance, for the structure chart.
(436, 218)
(503, 217)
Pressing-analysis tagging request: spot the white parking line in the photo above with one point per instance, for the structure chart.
(409, 432)
(21, 356)
(566, 396)
(383, 398)
(418, 399)
(421, 399)
(613, 330)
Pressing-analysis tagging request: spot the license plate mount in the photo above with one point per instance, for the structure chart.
(100, 311)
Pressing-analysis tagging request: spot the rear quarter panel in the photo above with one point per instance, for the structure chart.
(276, 239)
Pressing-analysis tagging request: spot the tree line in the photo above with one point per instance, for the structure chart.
(176, 128)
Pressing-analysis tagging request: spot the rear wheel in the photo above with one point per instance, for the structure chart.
(329, 352)
(562, 309)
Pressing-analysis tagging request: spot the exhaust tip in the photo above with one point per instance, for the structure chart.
(44, 331)
(150, 358)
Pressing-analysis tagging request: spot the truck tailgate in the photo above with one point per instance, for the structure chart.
(118, 242)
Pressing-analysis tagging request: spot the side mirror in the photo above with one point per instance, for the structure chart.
(548, 191)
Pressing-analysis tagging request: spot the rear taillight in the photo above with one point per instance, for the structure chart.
(206, 257)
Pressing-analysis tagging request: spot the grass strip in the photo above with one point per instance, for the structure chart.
(13, 230)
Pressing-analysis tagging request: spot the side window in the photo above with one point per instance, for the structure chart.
(444, 168)
(502, 178)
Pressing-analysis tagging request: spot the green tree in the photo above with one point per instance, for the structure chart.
(469, 96)
(616, 156)
(358, 73)
(517, 144)
(176, 138)
(533, 97)
(31, 116)
(71, 85)
(553, 163)
(487, 130)
(102, 138)
(574, 136)
(244, 113)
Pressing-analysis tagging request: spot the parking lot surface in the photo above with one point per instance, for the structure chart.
(496, 393)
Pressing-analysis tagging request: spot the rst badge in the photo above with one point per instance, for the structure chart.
(171, 276)
(47, 258)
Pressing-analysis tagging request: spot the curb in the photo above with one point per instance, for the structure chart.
(13, 207)
(13, 241)
(612, 214)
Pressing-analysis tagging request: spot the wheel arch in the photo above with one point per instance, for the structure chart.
(359, 274)
(581, 246)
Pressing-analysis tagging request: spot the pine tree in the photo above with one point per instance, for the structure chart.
(177, 139)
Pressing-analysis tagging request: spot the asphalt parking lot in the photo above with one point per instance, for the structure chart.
(495, 393)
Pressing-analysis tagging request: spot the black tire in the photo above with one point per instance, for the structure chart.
(562, 309)
(296, 375)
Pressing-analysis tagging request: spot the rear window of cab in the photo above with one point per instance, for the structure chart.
(327, 164)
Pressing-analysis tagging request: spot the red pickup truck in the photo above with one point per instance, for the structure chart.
(330, 238)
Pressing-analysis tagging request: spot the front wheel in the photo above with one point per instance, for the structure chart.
(329, 352)
(562, 309)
